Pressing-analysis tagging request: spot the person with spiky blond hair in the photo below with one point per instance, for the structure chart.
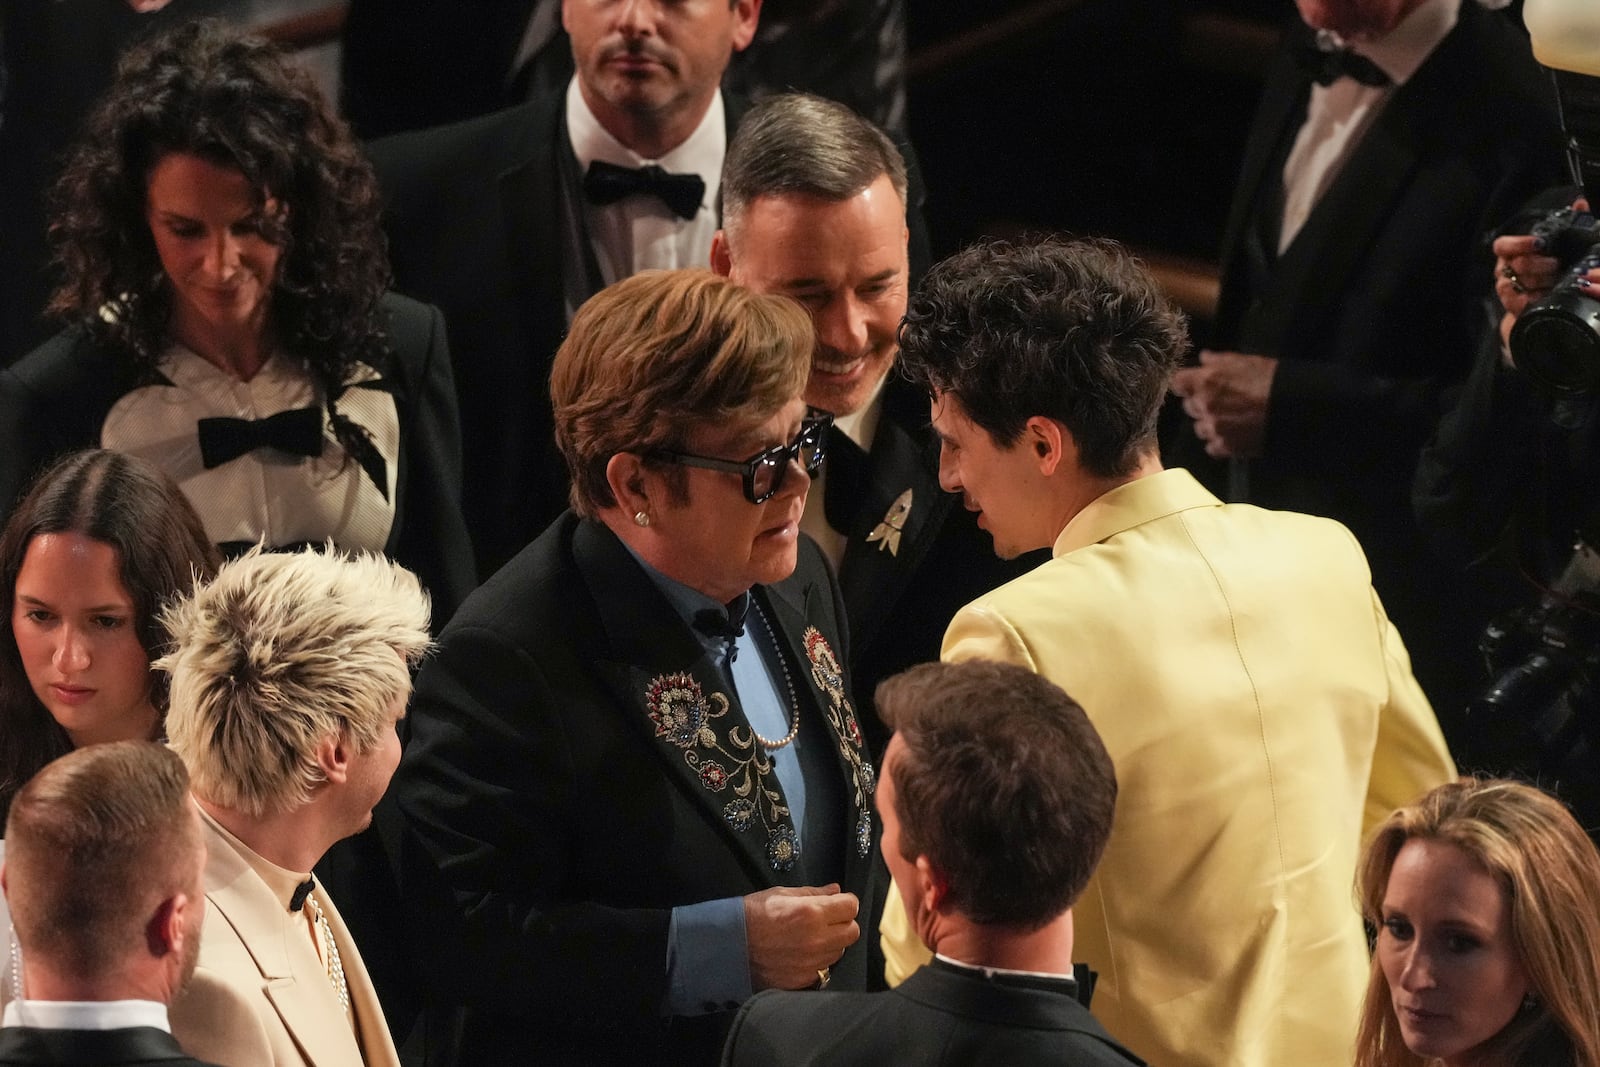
(289, 674)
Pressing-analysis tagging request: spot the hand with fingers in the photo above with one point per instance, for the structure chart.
(1227, 396)
(795, 934)
(1524, 274)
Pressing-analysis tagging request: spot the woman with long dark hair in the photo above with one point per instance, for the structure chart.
(225, 280)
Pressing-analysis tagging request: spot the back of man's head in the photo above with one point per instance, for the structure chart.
(1073, 330)
(1002, 783)
(800, 144)
(96, 843)
(279, 653)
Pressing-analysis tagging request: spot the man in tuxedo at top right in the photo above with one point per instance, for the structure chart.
(1391, 136)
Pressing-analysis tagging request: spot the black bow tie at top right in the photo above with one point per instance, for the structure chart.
(1327, 64)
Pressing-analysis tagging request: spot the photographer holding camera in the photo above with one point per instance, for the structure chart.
(1509, 491)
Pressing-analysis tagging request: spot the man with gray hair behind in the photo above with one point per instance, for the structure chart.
(289, 674)
(103, 875)
(820, 205)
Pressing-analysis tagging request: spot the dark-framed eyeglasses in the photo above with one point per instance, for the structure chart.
(763, 473)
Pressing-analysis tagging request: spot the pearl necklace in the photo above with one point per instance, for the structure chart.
(788, 682)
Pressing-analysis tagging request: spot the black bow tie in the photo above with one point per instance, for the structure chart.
(727, 625)
(298, 431)
(301, 891)
(606, 183)
(1327, 66)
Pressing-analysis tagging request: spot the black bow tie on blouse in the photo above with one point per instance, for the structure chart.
(297, 431)
(1327, 66)
(606, 183)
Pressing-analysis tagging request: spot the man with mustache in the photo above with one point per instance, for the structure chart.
(820, 205)
(511, 221)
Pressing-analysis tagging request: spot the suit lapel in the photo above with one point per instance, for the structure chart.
(288, 963)
(902, 462)
(675, 697)
(376, 1045)
(530, 199)
(792, 608)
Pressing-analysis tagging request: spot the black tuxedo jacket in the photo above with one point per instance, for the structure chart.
(1374, 307)
(940, 1015)
(899, 603)
(574, 772)
(474, 218)
(27, 1046)
(56, 399)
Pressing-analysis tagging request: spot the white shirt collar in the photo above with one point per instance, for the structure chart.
(861, 425)
(86, 1014)
(990, 972)
(700, 154)
(1403, 49)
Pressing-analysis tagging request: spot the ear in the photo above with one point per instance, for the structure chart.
(630, 483)
(5, 890)
(1049, 442)
(334, 753)
(932, 886)
(721, 262)
(746, 16)
(165, 932)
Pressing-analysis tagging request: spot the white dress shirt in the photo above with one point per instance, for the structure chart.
(640, 232)
(861, 426)
(1339, 114)
(86, 1014)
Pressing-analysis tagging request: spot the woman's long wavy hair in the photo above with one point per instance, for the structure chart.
(237, 101)
(1550, 872)
(162, 550)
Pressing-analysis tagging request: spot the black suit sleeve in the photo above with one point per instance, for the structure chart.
(432, 538)
(491, 794)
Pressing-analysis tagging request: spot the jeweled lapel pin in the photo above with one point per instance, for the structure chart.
(887, 532)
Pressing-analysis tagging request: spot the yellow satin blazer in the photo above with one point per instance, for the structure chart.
(1261, 713)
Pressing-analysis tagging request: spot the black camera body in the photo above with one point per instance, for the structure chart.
(1540, 716)
(1557, 340)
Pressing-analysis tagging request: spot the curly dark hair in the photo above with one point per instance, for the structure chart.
(1073, 330)
(206, 89)
(162, 549)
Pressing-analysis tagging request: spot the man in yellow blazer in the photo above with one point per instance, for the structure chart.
(289, 673)
(1256, 702)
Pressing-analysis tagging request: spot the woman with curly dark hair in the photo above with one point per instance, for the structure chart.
(225, 282)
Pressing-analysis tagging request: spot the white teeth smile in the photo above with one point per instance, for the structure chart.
(836, 368)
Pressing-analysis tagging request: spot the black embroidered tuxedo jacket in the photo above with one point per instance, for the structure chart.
(134, 1046)
(57, 397)
(941, 1015)
(577, 769)
(900, 602)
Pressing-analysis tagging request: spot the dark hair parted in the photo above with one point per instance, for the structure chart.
(1072, 330)
(94, 842)
(655, 355)
(799, 143)
(131, 505)
(236, 101)
(1003, 783)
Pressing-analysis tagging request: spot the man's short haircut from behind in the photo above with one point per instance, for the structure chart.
(1003, 783)
(797, 143)
(278, 652)
(1076, 331)
(94, 843)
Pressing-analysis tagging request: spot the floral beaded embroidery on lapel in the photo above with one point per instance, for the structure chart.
(687, 719)
(829, 679)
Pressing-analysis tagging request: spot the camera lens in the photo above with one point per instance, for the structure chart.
(1557, 341)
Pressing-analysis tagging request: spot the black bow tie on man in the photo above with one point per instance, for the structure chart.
(1327, 63)
(606, 183)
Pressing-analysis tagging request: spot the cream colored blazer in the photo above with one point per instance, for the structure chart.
(260, 995)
